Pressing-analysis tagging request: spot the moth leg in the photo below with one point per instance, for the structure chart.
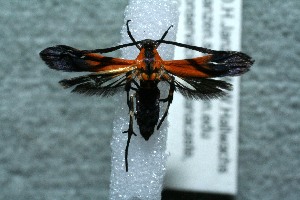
(136, 84)
(128, 87)
(169, 99)
(130, 128)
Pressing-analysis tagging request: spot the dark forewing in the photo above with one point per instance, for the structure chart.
(222, 63)
(196, 73)
(230, 63)
(215, 63)
(109, 76)
(69, 59)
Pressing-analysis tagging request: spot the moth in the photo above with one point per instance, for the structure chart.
(139, 78)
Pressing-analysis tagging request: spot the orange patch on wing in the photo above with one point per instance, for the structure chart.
(108, 65)
(189, 67)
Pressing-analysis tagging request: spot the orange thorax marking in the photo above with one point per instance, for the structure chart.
(149, 66)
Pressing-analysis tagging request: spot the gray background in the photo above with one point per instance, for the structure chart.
(55, 145)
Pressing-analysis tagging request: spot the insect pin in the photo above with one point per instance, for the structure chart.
(193, 78)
